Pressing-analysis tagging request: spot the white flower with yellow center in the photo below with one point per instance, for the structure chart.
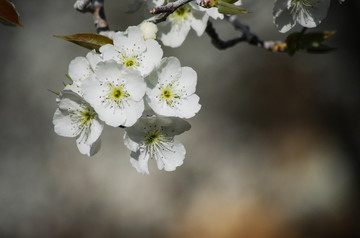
(76, 118)
(80, 69)
(116, 93)
(171, 90)
(174, 30)
(133, 51)
(153, 138)
(308, 13)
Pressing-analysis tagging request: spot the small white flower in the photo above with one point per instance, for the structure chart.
(153, 138)
(76, 118)
(133, 51)
(116, 93)
(177, 26)
(171, 90)
(80, 69)
(308, 13)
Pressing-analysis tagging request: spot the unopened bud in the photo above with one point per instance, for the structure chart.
(149, 30)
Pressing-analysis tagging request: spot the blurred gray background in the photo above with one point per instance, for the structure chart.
(274, 151)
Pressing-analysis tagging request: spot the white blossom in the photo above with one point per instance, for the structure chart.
(308, 13)
(116, 93)
(133, 51)
(80, 69)
(153, 138)
(171, 90)
(174, 30)
(74, 117)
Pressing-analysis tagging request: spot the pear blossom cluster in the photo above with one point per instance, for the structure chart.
(129, 84)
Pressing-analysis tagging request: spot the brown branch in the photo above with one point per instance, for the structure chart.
(246, 36)
(96, 7)
(164, 11)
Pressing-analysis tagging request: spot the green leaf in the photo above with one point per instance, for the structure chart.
(8, 13)
(88, 40)
(228, 8)
(319, 49)
(230, 1)
(57, 93)
(310, 42)
(316, 36)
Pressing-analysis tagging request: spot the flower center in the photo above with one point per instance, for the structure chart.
(168, 94)
(117, 93)
(130, 59)
(87, 115)
(129, 63)
(181, 13)
(153, 137)
(82, 120)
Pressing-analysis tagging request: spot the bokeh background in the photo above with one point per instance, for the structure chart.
(274, 152)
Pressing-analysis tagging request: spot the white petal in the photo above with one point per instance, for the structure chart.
(160, 107)
(74, 87)
(140, 161)
(93, 59)
(135, 84)
(174, 126)
(129, 143)
(283, 18)
(188, 107)
(170, 155)
(170, 68)
(176, 35)
(198, 21)
(79, 69)
(109, 53)
(214, 13)
(63, 124)
(131, 39)
(95, 130)
(188, 80)
(132, 111)
(69, 100)
(313, 15)
(88, 149)
(152, 57)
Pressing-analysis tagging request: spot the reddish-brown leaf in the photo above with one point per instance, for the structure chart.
(8, 13)
(88, 40)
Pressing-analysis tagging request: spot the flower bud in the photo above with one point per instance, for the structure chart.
(149, 30)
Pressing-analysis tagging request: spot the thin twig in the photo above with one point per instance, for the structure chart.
(217, 42)
(246, 36)
(164, 11)
(96, 7)
(250, 37)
